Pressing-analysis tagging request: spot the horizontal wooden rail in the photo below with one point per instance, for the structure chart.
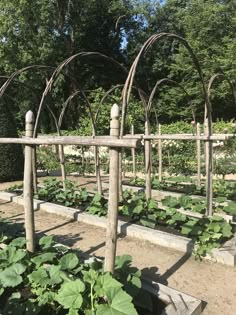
(73, 140)
(128, 136)
(181, 136)
(189, 137)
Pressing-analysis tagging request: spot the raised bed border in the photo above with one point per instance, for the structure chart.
(178, 303)
(225, 255)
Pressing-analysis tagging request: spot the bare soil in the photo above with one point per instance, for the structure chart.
(213, 283)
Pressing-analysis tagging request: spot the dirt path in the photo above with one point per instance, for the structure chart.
(213, 283)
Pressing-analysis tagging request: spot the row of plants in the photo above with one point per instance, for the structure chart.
(207, 233)
(187, 185)
(57, 280)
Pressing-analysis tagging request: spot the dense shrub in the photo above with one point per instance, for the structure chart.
(11, 155)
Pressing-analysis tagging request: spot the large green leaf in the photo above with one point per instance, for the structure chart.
(138, 209)
(119, 303)
(152, 204)
(148, 221)
(15, 255)
(69, 295)
(171, 202)
(96, 198)
(226, 230)
(123, 261)
(43, 258)
(55, 274)
(185, 201)
(18, 242)
(46, 242)
(90, 276)
(39, 277)
(11, 277)
(69, 261)
(105, 283)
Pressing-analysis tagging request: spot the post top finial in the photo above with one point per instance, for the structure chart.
(115, 111)
(29, 117)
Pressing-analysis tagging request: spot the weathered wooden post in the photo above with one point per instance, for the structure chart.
(159, 154)
(28, 186)
(112, 217)
(147, 148)
(97, 170)
(198, 143)
(209, 167)
(133, 153)
(62, 164)
(120, 177)
(34, 170)
(82, 162)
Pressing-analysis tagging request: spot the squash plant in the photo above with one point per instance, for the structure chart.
(207, 233)
(56, 280)
(147, 212)
(52, 191)
(220, 187)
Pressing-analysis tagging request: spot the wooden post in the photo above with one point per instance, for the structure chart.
(62, 164)
(120, 177)
(198, 143)
(112, 217)
(133, 153)
(209, 184)
(83, 164)
(34, 170)
(147, 149)
(97, 170)
(28, 186)
(159, 154)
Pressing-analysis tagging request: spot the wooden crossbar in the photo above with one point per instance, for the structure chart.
(73, 140)
(189, 137)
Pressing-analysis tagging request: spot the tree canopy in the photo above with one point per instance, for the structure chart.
(45, 32)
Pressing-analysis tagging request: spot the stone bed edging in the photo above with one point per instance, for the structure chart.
(225, 255)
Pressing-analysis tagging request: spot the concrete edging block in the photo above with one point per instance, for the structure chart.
(7, 196)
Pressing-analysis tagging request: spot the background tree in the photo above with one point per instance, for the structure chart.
(46, 32)
(11, 156)
(209, 26)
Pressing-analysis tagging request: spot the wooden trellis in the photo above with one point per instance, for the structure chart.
(111, 141)
(208, 140)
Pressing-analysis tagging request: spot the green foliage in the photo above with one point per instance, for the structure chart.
(11, 155)
(148, 213)
(98, 205)
(62, 28)
(72, 196)
(209, 27)
(47, 159)
(54, 282)
(183, 184)
(208, 233)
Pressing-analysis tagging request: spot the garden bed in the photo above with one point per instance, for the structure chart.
(57, 277)
(221, 188)
(226, 254)
(162, 195)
